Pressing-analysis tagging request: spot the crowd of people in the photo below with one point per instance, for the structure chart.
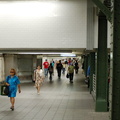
(13, 82)
(61, 66)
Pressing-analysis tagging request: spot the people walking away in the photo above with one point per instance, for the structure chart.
(76, 67)
(69, 61)
(53, 64)
(59, 68)
(63, 69)
(66, 62)
(13, 82)
(71, 72)
(50, 69)
(46, 65)
(38, 78)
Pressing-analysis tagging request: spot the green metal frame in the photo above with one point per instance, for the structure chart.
(85, 64)
(102, 65)
(104, 9)
(116, 62)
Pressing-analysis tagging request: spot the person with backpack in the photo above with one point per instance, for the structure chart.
(71, 72)
(53, 64)
(50, 69)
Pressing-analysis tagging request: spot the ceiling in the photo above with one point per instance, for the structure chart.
(45, 51)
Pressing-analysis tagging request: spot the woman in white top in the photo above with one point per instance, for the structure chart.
(38, 78)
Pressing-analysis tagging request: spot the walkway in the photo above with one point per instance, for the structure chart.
(58, 100)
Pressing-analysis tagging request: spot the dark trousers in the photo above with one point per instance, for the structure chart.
(50, 75)
(71, 76)
(59, 72)
(63, 71)
(76, 70)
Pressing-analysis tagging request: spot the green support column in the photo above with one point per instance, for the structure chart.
(115, 114)
(102, 59)
(85, 64)
(92, 69)
(104, 8)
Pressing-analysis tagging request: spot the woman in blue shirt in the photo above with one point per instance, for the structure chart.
(13, 82)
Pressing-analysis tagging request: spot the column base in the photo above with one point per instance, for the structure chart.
(101, 105)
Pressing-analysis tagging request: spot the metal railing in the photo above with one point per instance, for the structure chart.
(94, 87)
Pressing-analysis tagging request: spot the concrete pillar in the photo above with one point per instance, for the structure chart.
(34, 61)
(10, 62)
(2, 72)
(34, 64)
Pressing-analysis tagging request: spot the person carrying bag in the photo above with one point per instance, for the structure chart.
(13, 83)
(71, 72)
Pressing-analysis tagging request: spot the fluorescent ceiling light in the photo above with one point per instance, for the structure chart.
(48, 53)
(68, 55)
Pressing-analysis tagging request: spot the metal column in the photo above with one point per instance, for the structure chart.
(115, 114)
(85, 64)
(102, 61)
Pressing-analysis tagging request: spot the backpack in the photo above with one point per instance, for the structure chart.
(66, 62)
(50, 69)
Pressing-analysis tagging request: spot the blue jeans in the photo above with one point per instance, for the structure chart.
(63, 71)
(46, 72)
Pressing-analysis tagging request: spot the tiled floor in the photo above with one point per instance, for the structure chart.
(58, 100)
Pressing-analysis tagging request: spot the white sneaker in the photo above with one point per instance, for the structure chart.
(38, 93)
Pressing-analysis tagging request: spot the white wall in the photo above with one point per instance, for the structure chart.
(43, 24)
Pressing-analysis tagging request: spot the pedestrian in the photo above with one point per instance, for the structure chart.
(76, 67)
(59, 68)
(71, 72)
(63, 69)
(38, 78)
(88, 76)
(69, 61)
(13, 82)
(50, 69)
(66, 64)
(53, 64)
(46, 65)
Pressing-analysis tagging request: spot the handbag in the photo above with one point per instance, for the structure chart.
(33, 81)
(67, 76)
(6, 90)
